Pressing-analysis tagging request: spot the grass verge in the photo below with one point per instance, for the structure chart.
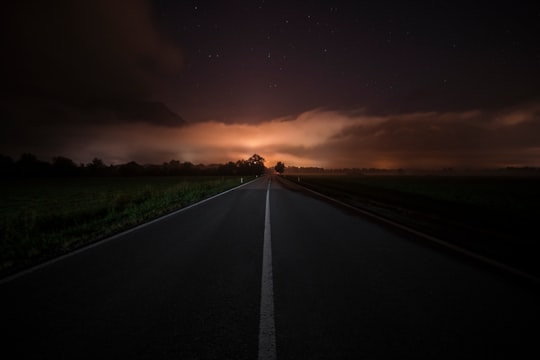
(44, 218)
(493, 216)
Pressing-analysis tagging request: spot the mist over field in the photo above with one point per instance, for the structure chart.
(319, 138)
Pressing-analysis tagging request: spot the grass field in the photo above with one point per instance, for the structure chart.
(43, 218)
(511, 194)
(493, 215)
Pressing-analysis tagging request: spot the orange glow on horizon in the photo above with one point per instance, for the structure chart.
(333, 139)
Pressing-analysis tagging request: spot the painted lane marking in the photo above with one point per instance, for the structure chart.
(267, 329)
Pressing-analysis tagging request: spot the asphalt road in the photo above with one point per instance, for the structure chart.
(189, 287)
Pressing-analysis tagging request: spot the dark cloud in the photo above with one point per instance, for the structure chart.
(70, 63)
(54, 127)
(441, 87)
(475, 138)
(324, 138)
(79, 50)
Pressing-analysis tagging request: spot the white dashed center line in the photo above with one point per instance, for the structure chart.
(267, 330)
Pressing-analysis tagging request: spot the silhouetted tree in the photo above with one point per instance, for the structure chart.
(29, 165)
(131, 169)
(280, 167)
(256, 164)
(173, 167)
(228, 169)
(188, 168)
(98, 163)
(96, 168)
(63, 166)
(242, 166)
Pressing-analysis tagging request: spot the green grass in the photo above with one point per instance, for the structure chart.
(43, 218)
(519, 195)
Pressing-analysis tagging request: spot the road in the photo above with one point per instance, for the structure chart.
(342, 287)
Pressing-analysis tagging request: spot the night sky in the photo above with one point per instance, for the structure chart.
(325, 83)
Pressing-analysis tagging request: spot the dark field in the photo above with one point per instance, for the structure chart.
(495, 216)
(43, 218)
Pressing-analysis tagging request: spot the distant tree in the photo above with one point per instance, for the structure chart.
(280, 167)
(63, 166)
(188, 168)
(98, 163)
(242, 166)
(228, 169)
(96, 168)
(152, 170)
(29, 165)
(131, 169)
(171, 168)
(256, 164)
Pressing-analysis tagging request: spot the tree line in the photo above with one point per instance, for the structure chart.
(28, 165)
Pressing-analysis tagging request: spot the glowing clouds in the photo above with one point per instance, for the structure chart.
(332, 139)
(272, 138)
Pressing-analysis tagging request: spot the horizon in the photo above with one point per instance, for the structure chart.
(9, 166)
(332, 84)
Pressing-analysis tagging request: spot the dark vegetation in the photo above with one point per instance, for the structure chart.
(28, 165)
(280, 167)
(495, 216)
(48, 209)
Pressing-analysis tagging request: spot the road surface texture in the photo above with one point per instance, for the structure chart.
(189, 287)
